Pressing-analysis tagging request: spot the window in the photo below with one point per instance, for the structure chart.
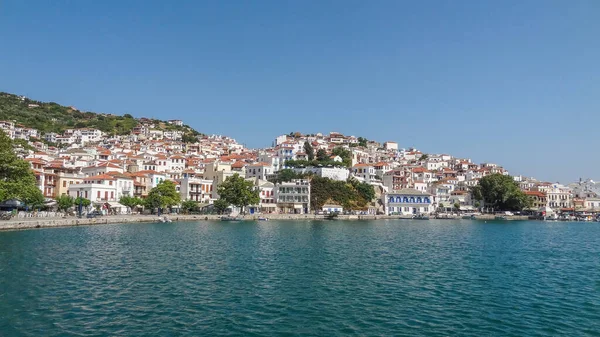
(64, 183)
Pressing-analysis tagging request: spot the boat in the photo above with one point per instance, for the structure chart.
(421, 217)
(446, 216)
(165, 219)
(230, 218)
(260, 218)
(500, 217)
(469, 217)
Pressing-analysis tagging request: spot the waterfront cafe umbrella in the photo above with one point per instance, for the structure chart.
(116, 206)
(50, 202)
(13, 203)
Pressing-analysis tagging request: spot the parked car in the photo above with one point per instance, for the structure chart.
(93, 214)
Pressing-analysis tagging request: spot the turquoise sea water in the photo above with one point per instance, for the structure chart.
(338, 278)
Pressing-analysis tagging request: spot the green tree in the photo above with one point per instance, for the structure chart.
(345, 154)
(131, 202)
(457, 206)
(310, 151)
(238, 191)
(365, 190)
(189, 138)
(163, 195)
(81, 200)
(424, 157)
(284, 176)
(17, 180)
(351, 194)
(322, 155)
(501, 193)
(220, 205)
(34, 200)
(362, 142)
(64, 202)
(152, 202)
(189, 206)
(22, 143)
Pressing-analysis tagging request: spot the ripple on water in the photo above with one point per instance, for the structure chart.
(362, 278)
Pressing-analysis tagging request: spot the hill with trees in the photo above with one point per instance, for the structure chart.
(53, 117)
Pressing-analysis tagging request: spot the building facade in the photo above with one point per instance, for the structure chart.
(293, 197)
(407, 202)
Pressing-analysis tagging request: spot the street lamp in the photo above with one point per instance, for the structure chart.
(80, 206)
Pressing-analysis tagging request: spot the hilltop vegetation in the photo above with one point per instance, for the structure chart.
(52, 117)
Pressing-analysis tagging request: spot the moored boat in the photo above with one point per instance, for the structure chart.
(230, 218)
(421, 217)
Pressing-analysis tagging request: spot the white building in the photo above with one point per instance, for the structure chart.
(259, 170)
(293, 197)
(25, 133)
(101, 168)
(176, 163)
(332, 209)
(98, 189)
(334, 173)
(390, 146)
(8, 128)
(407, 201)
(51, 137)
(266, 192)
(559, 196)
(196, 189)
(364, 172)
(177, 122)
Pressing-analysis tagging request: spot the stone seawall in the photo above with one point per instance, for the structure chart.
(28, 223)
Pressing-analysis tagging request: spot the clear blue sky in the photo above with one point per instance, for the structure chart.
(511, 82)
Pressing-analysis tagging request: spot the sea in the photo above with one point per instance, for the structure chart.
(303, 278)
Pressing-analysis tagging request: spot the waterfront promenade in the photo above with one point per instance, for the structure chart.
(29, 223)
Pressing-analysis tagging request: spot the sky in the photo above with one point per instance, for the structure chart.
(515, 83)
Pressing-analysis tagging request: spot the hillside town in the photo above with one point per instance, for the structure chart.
(88, 163)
